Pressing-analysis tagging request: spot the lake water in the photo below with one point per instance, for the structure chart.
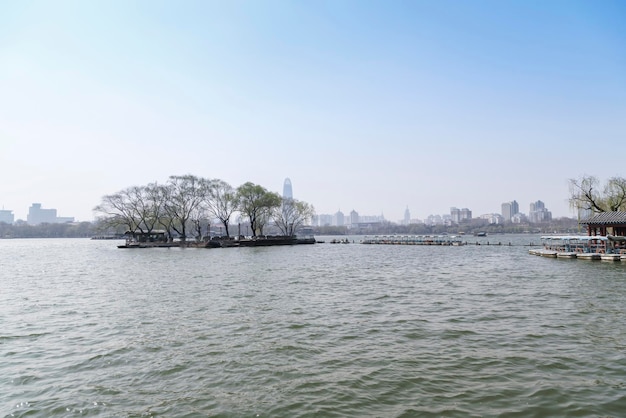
(354, 330)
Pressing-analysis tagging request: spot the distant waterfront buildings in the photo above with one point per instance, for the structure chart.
(7, 216)
(433, 220)
(372, 219)
(455, 214)
(510, 209)
(460, 215)
(519, 218)
(322, 220)
(493, 218)
(338, 218)
(538, 212)
(37, 215)
(354, 217)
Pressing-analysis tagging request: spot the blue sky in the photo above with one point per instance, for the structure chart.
(365, 105)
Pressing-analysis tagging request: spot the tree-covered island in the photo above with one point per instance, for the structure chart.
(186, 206)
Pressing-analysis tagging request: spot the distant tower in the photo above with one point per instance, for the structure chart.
(407, 216)
(287, 192)
(338, 218)
(455, 214)
(354, 217)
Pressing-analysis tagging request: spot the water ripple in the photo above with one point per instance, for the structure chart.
(325, 330)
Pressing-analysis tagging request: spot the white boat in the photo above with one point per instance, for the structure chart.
(577, 246)
(566, 255)
(610, 257)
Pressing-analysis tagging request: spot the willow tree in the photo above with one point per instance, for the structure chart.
(292, 215)
(257, 204)
(587, 193)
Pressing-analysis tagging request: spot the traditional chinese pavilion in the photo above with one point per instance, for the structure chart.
(606, 223)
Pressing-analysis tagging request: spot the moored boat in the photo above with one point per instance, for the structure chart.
(575, 246)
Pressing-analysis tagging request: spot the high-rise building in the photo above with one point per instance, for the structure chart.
(7, 216)
(354, 217)
(287, 191)
(407, 216)
(38, 215)
(507, 213)
(338, 218)
(455, 214)
(466, 214)
(510, 209)
(538, 212)
(324, 220)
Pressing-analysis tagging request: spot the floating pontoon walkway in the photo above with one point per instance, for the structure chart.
(414, 240)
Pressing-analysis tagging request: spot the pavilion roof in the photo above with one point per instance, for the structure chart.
(606, 218)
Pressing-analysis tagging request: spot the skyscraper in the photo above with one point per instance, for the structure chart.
(510, 209)
(455, 215)
(7, 216)
(287, 192)
(354, 217)
(515, 207)
(538, 212)
(338, 218)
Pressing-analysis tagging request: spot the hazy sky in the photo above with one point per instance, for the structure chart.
(365, 105)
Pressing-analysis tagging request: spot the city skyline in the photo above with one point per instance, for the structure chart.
(38, 214)
(538, 212)
(368, 105)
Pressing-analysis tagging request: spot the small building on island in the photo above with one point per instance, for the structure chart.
(606, 223)
(156, 235)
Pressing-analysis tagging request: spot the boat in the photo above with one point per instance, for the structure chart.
(132, 245)
(575, 246)
(480, 234)
(610, 257)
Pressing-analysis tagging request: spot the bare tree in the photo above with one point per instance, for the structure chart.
(184, 194)
(292, 215)
(222, 202)
(156, 214)
(115, 211)
(587, 193)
